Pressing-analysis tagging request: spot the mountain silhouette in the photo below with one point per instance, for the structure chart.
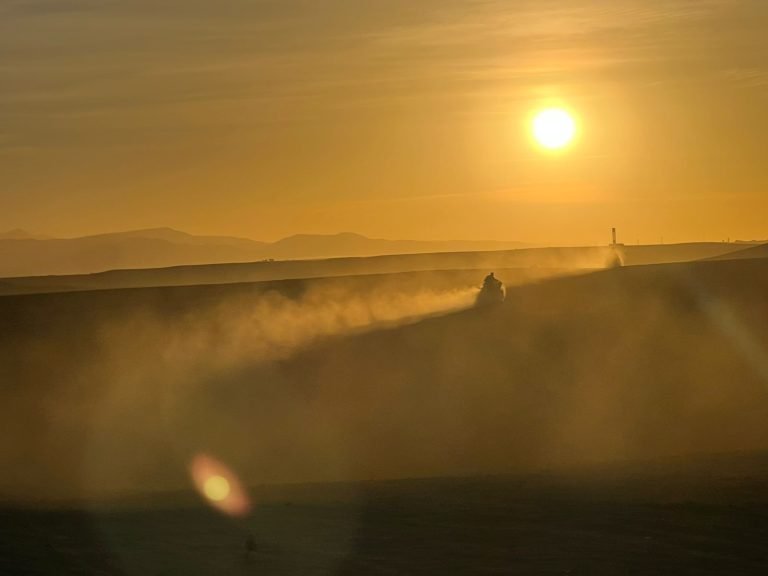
(24, 254)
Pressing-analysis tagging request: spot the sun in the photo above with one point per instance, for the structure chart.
(554, 128)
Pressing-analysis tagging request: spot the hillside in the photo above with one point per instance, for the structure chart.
(23, 254)
(568, 258)
(625, 364)
(533, 259)
(759, 251)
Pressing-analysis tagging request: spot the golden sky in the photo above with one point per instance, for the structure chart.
(396, 119)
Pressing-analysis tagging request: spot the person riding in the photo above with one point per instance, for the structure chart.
(492, 291)
(491, 282)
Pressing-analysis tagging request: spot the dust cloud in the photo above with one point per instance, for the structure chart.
(97, 380)
(116, 392)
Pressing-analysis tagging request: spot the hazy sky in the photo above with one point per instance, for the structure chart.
(398, 118)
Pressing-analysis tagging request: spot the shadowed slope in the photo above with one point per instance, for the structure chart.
(626, 364)
(630, 363)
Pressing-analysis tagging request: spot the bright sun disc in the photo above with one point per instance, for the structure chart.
(554, 128)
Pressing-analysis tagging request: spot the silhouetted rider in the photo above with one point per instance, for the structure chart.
(491, 282)
(492, 291)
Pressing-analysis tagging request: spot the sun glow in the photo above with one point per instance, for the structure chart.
(554, 128)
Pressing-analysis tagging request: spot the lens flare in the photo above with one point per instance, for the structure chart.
(216, 488)
(219, 486)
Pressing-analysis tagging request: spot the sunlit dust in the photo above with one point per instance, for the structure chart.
(219, 486)
(554, 128)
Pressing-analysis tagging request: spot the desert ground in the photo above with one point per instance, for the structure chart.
(705, 516)
(599, 421)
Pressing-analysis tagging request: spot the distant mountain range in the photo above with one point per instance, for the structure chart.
(26, 254)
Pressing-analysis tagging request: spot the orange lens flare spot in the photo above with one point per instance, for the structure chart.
(219, 486)
(216, 488)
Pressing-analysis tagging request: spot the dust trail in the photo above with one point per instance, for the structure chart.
(93, 403)
(272, 325)
(192, 353)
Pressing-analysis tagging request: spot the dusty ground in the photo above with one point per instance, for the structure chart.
(113, 392)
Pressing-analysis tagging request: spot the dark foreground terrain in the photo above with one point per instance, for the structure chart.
(115, 393)
(708, 516)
